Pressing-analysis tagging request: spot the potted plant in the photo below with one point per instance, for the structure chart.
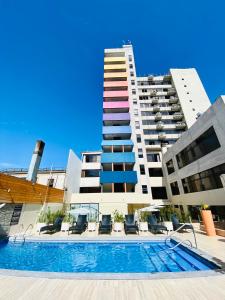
(118, 221)
(143, 224)
(208, 220)
(92, 223)
(66, 223)
(42, 220)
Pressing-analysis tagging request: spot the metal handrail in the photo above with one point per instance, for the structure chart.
(22, 235)
(174, 232)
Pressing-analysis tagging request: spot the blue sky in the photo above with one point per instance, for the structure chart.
(51, 64)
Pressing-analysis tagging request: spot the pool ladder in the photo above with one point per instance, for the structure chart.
(183, 241)
(22, 235)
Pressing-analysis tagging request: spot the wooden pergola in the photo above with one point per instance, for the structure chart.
(18, 190)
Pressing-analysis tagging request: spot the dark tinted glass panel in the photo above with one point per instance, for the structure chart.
(204, 144)
(155, 172)
(159, 193)
(175, 188)
(205, 180)
(170, 166)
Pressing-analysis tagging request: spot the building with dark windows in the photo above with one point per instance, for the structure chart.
(194, 167)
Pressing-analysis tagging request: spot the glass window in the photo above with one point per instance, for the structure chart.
(174, 188)
(170, 167)
(153, 157)
(144, 189)
(204, 181)
(159, 192)
(155, 172)
(138, 138)
(90, 173)
(142, 169)
(92, 158)
(204, 144)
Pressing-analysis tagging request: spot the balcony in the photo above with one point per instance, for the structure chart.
(117, 104)
(116, 94)
(156, 108)
(120, 157)
(171, 91)
(115, 75)
(158, 116)
(159, 125)
(116, 130)
(175, 107)
(116, 117)
(162, 136)
(114, 59)
(118, 177)
(115, 83)
(153, 93)
(180, 125)
(178, 116)
(117, 143)
(155, 101)
(115, 67)
(173, 100)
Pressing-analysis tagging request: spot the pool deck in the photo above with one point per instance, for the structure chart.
(205, 287)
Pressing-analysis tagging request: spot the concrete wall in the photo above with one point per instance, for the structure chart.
(214, 116)
(189, 88)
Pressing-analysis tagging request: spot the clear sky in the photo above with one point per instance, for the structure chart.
(51, 64)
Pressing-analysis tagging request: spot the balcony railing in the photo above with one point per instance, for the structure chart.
(178, 116)
(173, 100)
(159, 125)
(156, 108)
(158, 116)
(162, 136)
(180, 125)
(175, 107)
(171, 91)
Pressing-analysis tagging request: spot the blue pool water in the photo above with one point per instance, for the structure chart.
(99, 257)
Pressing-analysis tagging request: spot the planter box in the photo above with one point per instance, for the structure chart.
(143, 226)
(39, 226)
(118, 227)
(65, 226)
(208, 222)
(168, 224)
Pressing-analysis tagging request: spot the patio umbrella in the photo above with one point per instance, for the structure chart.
(79, 211)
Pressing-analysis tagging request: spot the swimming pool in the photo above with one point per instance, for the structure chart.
(100, 257)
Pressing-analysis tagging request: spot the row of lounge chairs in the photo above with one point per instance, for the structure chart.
(105, 225)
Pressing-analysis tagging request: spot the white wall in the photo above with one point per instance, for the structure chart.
(200, 101)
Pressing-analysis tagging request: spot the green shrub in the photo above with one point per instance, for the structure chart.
(42, 218)
(118, 217)
(143, 217)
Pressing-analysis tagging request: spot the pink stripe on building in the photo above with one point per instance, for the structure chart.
(115, 94)
(115, 83)
(117, 104)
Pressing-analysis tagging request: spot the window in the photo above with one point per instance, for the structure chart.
(50, 182)
(159, 192)
(138, 138)
(90, 173)
(16, 214)
(135, 102)
(133, 92)
(135, 112)
(131, 66)
(91, 189)
(170, 167)
(205, 180)
(155, 172)
(130, 57)
(174, 188)
(140, 153)
(132, 82)
(204, 144)
(193, 109)
(137, 124)
(131, 73)
(190, 100)
(92, 158)
(153, 157)
(185, 85)
(144, 90)
(182, 79)
(142, 169)
(144, 189)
